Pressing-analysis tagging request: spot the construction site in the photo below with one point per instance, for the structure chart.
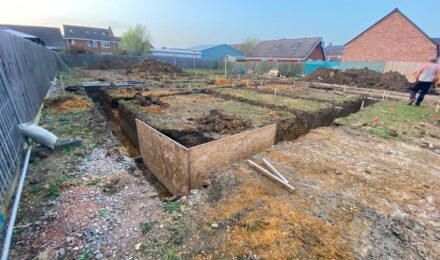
(286, 149)
(163, 170)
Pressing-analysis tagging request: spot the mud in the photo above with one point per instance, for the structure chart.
(363, 78)
(187, 138)
(218, 122)
(149, 100)
(111, 65)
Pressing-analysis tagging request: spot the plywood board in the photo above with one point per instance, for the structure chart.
(167, 159)
(206, 157)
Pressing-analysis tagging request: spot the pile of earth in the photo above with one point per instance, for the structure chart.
(152, 67)
(218, 122)
(149, 101)
(111, 65)
(362, 78)
(67, 104)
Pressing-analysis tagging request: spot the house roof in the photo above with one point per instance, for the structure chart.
(17, 33)
(297, 49)
(436, 40)
(51, 36)
(204, 47)
(396, 10)
(88, 33)
(334, 50)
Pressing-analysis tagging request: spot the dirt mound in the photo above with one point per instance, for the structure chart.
(68, 104)
(111, 65)
(151, 67)
(218, 122)
(363, 78)
(149, 101)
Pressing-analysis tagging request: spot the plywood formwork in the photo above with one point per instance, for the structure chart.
(180, 169)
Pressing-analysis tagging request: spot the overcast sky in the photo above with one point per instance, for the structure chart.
(180, 23)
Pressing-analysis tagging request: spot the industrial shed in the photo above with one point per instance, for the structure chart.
(218, 52)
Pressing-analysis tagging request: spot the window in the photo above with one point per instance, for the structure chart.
(87, 32)
(275, 61)
(71, 30)
(89, 43)
(296, 45)
(73, 42)
(105, 45)
(116, 45)
(95, 44)
(263, 61)
(103, 33)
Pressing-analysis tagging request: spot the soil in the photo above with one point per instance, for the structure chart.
(151, 67)
(68, 103)
(363, 78)
(149, 100)
(357, 196)
(218, 122)
(111, 65)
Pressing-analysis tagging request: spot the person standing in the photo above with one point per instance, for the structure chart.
(425, 77)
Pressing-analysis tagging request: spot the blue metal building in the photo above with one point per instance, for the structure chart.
(218, 52)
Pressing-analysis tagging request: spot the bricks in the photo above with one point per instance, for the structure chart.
(83, 44)
(394, 38)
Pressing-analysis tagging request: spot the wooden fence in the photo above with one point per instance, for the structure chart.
(26, 71)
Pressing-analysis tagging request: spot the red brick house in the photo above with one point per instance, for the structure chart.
(288, 51)
(393, 38)
(89, 39)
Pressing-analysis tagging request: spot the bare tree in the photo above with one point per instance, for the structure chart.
(248, 44)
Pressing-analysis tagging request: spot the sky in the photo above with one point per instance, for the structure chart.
(186, 23)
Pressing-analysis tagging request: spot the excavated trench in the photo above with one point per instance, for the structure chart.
(287, 129)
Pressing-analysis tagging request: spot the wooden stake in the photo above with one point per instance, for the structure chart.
(362, 105)
(271, 176)
(274, 170)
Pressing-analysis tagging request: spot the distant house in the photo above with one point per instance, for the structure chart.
(334, 52)
(437, 41)
(175, 53)
(288, 50)
(50, 37)
(393, 38)
(218, 52)
(89, 39)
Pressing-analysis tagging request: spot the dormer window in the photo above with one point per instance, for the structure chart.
(71, 30)
(296, 45)
(103, 33)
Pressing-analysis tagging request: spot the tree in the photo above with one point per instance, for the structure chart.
(248, 44)
(136, 40)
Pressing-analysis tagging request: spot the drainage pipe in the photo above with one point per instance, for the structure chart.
(11, 223)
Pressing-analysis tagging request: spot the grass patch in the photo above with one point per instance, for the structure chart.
(171, 207)
(94, 182)
(176, 235)
(147, 226)
(160, 250)
(392, 116)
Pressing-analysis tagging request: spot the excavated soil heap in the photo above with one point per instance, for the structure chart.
(363, 78)
(111, 65)
(149, 101)
(151, 67)
(218, 122)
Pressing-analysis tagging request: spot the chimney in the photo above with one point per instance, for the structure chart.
(110, 32)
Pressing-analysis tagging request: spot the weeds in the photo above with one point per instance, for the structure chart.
(53, 190)
(35, 188)
(86, 255)
(94, 182)
(159, 250)
(147, 226)
(254, 226)
(104, 213)
(176, 234)
(171, 207)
